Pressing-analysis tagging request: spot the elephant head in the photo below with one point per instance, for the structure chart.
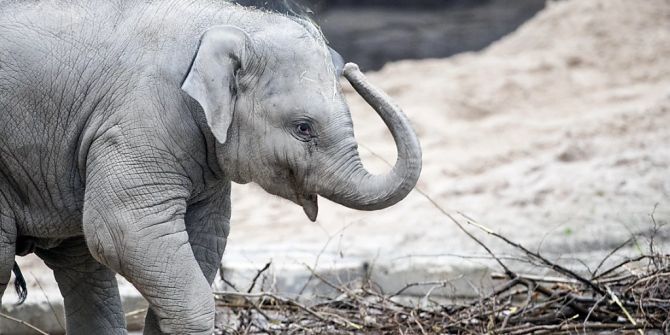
(273, 101)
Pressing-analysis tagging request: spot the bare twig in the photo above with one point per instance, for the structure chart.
(440, 283)
(509, 272)
(277, 298)
(46, 296)
(602, 262)
(548, 263)
(224, 280)
(21, 322)
(542, 279)
(625, 311)
(619, 265)
(655, 229)
(136, 312)
(258, 274)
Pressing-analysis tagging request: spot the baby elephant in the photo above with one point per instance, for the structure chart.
(123, 123)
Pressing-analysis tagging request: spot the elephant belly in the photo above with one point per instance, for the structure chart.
(44, 223)
(38, 213)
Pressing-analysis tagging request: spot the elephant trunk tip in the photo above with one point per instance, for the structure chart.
(351, 67)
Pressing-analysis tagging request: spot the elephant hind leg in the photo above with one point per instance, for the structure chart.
(89, 289)
(7, 252)
(5, 271)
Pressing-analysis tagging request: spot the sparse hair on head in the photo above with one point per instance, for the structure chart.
(293, 9)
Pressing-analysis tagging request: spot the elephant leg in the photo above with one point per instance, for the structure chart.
(7, 251)
(207, 224)
(89, 289)
(134, 222)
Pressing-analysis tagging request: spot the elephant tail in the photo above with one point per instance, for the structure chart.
(20, 284)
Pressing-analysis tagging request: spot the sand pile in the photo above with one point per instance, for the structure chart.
(556, 135)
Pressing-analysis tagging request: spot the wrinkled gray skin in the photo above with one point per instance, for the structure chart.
(122, 124)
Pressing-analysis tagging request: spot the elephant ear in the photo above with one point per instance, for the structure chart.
(212, 78)
(338, 61)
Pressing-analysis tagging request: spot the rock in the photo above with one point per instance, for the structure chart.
(423, 278)
(290, 273)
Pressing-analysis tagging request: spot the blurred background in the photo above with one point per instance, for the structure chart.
(374, 32)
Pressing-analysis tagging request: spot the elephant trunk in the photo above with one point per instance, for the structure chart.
(356, 187)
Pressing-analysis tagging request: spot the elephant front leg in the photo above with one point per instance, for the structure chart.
(207, 224)
(150, 249)
(133, 222)
(89, 289)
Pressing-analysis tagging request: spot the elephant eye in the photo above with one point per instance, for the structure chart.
(304, 130)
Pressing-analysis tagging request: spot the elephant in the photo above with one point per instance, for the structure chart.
(123, 124)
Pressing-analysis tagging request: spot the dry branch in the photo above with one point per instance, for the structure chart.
(526, 304)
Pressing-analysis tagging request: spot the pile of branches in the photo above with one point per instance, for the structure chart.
(632, 296)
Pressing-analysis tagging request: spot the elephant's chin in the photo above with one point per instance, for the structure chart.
(310, 205)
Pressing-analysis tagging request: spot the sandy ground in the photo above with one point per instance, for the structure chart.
(556, 136)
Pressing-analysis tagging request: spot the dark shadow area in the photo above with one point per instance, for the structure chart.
(374, 32)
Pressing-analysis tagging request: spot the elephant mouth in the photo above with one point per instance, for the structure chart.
(309, 203)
